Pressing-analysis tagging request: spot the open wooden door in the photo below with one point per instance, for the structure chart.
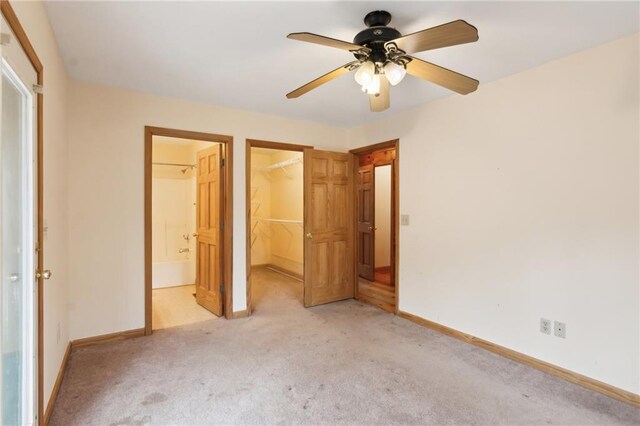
(208, 288)
(329, 210)
(366, 221)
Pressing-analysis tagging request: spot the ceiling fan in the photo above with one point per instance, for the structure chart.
(382, 57)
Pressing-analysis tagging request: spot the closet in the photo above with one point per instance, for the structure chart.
(276, 215)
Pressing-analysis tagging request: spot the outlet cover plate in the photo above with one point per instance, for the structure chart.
(404, 220)
(545, 326)
(560, 329)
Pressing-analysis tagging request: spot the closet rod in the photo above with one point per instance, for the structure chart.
(282, 164)
(174, 164)
(298, 222)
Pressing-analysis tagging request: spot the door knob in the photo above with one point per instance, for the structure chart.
(14, 277)
(371, 228)
(46, 274)
(309, 236)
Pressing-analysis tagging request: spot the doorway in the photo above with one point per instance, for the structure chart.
(275, 207)
(377, 225)
(20, 229)
(306, 233)
(185, 221)
(187, 227)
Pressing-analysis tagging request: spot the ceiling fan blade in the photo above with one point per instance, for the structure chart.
(381, 101)
(442, 76)
(323, 79)
(327, 41)
(451, 34)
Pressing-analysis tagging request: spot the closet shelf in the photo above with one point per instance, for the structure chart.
(282, 164)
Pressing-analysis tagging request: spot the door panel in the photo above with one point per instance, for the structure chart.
(329, 249)
(366, 221)
(208, 278)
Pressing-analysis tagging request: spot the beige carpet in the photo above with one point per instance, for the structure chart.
(341, 363)
(173, 306)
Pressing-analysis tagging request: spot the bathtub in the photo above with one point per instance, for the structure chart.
(173, 273)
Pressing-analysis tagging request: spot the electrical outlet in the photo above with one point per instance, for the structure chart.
(560, 329)
(545, 326)
(404, 219)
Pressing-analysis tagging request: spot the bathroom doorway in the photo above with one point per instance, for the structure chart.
(176, 204)
(187, 249)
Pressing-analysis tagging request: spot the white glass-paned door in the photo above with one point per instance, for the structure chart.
(17, 238)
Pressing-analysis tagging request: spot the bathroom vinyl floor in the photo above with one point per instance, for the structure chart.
(174, 306)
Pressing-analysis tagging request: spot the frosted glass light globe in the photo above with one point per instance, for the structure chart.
(394, 72)
(365, 73)
(373, 88)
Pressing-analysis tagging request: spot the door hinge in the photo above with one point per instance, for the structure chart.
(221, 288)
(221, 225)
(222, 162)
(38, 89)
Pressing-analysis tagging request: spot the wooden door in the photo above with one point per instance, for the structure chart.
(366, 221)
(329, 235)
(208, 283)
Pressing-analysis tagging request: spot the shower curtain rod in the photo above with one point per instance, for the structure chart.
(174, 164)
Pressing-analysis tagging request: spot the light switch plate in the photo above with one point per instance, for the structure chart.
(404, 219)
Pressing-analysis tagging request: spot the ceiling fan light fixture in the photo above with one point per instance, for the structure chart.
(365, 74)
(373, 88)
(394, 72)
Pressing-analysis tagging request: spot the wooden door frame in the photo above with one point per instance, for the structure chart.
(395, 211)
(14, 23)
(226, 195)
(257, 143)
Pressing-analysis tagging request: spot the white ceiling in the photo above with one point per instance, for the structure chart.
(236, 54)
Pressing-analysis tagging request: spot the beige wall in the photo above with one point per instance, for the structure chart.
(260, 208)
(173, 153)
(106, 127)
(287, 203)
(56, 325)
(523, 203)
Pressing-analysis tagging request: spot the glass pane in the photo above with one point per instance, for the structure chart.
(17, 284)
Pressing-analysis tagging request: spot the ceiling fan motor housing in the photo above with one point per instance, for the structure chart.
(377, 34)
